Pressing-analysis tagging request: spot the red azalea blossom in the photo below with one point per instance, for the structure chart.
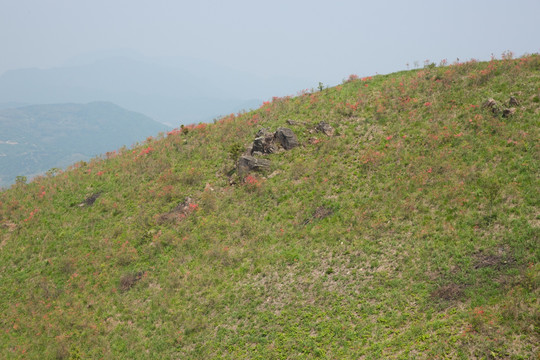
(32, 213)
(251, 180)
(146, 151)
(174, 132)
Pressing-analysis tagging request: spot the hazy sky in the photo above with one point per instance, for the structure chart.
(317, 40)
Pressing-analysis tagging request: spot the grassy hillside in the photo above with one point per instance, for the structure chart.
(411, 233)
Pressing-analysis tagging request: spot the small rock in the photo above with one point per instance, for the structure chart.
(286, 138)
(492, 104)
(509, 112)
(248, 163)
(274, 174)
(292, 122)
(325, 128)
(513, 101)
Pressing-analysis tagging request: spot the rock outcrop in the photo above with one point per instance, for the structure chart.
(248, 163)
(263, 143)
(509, 112)
(325, 128)
(286, 138)
(492, 105)
(496, 109)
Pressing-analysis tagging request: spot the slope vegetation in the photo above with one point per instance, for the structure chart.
(411, 232)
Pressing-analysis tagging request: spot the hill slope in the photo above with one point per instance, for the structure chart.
(412, 232)
(36, 138)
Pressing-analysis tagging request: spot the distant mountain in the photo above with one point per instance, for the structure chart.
(173, 91)
(34, 139)
(11, 104)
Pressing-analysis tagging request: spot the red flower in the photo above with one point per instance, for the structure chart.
(251, 180)
(146, 151)
(174, 132)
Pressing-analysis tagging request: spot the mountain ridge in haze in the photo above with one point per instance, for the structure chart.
(172, 91)
(36, 138)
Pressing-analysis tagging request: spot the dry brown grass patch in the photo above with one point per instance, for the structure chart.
(127, 281)
(320, 213)
(495, 261)
(90, 200)
(179, 212)
(448, 292)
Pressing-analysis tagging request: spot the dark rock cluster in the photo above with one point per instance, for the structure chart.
(498, 109)
(265, 142)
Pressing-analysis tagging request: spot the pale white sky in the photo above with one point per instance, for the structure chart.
(313, 39)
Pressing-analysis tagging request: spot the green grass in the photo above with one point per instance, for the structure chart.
(428, 247)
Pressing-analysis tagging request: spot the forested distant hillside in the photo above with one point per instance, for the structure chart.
(34, 139)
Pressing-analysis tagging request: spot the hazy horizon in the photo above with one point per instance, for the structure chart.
(310, 40)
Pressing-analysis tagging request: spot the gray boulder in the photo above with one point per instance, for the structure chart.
(509, 112)
(263, 143)
(325, 128)
(248, 163)
(492, 105)
(286, 138)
